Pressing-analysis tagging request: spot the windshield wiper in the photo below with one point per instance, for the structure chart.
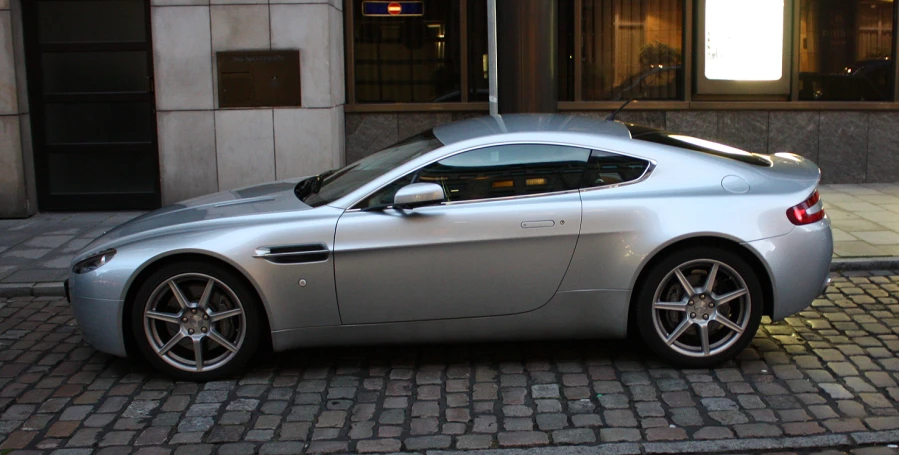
(311, 185)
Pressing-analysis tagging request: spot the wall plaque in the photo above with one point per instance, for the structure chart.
(259, 78)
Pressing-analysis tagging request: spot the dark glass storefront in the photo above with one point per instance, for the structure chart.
(846, 50)
(651, 50)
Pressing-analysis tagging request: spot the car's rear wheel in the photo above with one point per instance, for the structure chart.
(196, 321)
(699, 307)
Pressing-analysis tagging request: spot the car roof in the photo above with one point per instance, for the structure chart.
(527, 123)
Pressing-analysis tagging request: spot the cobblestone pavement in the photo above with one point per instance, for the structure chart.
(825, 379)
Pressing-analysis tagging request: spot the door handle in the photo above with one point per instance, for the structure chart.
(538, 224)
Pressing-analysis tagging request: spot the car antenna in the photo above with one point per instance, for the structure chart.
(611, 117)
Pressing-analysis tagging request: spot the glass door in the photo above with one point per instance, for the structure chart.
(90, 80)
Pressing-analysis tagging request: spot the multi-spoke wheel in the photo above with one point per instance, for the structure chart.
(196, 321)
(699, 306)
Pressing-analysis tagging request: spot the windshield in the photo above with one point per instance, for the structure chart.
(337, 184)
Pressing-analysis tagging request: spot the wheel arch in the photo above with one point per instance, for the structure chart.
(747, 254)
(157, 263)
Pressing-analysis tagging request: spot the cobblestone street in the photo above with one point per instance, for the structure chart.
(824, 380)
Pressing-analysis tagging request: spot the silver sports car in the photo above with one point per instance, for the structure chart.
(512, 227)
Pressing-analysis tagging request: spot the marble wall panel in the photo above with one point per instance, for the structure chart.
(9, 103)
(368, 133)
(883, 148)
(654, 119)
(794, 132)
(182, 57)
(245, 147)
(179, 2)
(335, 3)
(745, 130)
(467, 115)
(240, 27)
(338, 119)
(238, 2)
(842, 146)
(13, 198)
(18, 43)
(701, 124)
(187, 157)
(307, 141)
(306, 27)
(409, 125)
(335, 44)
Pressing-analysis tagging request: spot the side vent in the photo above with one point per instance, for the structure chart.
(294, 254)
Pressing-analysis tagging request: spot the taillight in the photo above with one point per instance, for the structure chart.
(807, 212)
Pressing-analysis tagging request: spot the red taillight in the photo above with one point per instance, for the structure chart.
(799, 214)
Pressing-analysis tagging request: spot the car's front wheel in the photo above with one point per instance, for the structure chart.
(196, 321)
(699, 306)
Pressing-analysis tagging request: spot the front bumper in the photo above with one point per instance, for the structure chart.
(799, 263)
(100, 320)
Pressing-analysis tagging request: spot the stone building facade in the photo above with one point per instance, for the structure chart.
(198, 146)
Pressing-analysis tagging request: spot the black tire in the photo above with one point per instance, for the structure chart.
(677, 335)
(226, 344)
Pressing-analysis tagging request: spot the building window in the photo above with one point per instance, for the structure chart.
(406, 58)
(651, 50)
(845, 50)
(743, 47)
(478, 84)
(632, 49)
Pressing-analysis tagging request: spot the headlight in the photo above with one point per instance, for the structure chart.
(94, 262)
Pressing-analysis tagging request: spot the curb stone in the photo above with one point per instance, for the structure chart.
(16, 289)
(876, 437)
(828, 441)
(875, 263)
(55, 289)
(731, 445)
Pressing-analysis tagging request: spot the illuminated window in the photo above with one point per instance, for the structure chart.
(743, 47)
(845, 49)
(632, 49)
(734, 48)
(406, 58)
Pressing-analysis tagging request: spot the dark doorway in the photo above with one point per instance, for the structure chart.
(93, 117)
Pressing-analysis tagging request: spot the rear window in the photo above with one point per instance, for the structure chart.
(643, 133)
(606, 169)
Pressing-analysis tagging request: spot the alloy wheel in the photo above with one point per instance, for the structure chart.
(701, 308)
(194, 322)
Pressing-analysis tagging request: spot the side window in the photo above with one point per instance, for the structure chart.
(508, 170)
(605, 168)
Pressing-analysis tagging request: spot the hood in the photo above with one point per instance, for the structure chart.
(252, 200)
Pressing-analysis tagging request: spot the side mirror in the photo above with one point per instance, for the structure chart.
(418, 195)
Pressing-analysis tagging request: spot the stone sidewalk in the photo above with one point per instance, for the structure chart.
(35, 253)
(825, 381)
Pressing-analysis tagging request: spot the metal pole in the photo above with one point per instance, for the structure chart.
(493, 97)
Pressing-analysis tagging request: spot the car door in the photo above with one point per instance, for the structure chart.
(500, 244)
